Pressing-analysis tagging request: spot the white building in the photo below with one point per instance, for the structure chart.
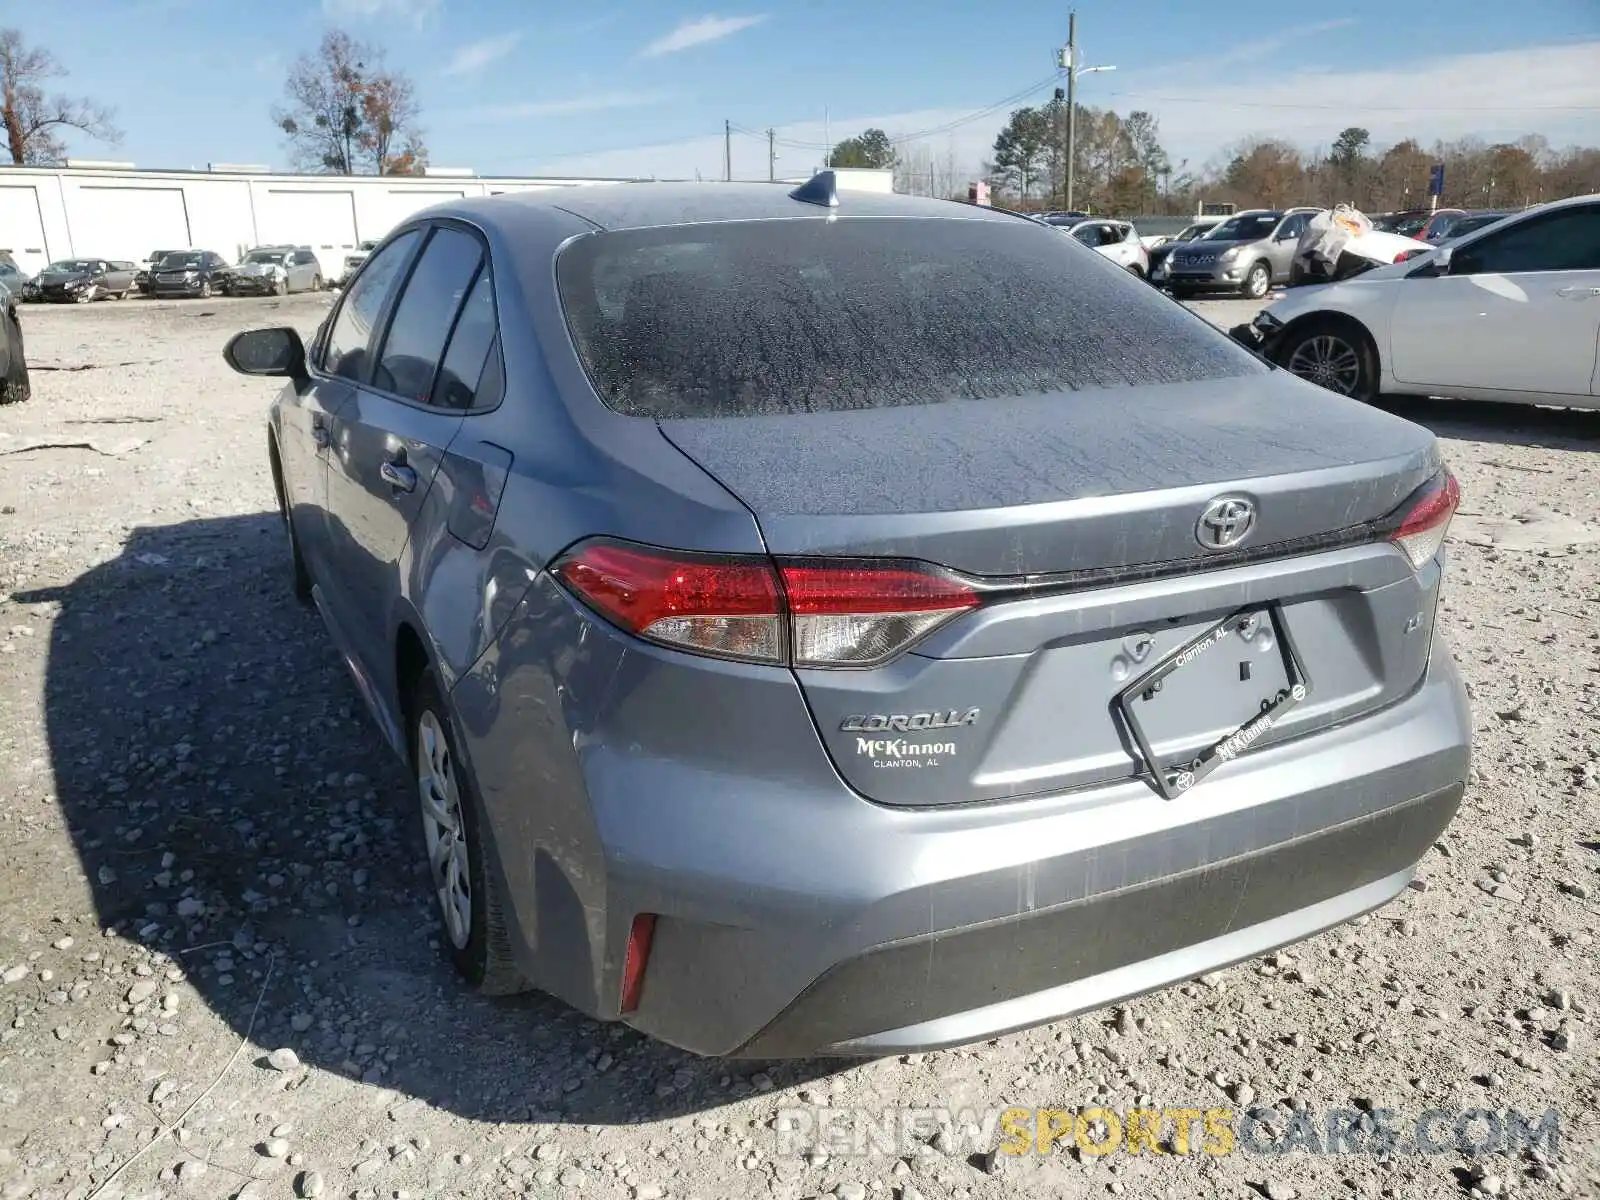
(49, 213)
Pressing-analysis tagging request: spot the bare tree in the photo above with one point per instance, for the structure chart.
(34, 121)
(346, 114)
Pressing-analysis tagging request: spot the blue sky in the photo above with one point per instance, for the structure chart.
(628, 87)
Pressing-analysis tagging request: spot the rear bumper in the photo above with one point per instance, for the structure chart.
(959, 986)
(795, 918)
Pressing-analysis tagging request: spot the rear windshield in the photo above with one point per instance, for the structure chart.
(768, 317)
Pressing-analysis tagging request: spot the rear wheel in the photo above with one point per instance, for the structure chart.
(14, 387)
(1133, 269)
(475, 939)
(1334, 354)
(1257, 282)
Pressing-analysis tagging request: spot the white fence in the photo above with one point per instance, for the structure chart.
(53, 213)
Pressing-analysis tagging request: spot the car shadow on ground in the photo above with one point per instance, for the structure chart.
(233, 806)
(1503, 424)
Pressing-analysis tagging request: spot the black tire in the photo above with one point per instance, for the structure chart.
(205, 289)
(486, 961)
(14, 387)
(1133, 269)
(1332, 352)
(1257, 281)
(316, 283)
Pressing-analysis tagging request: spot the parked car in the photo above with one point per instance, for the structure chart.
(1117, 240)
(1247, 254)
(1193, 232)
(353, 261)
(14, 387)
(11, 275)
(1471, 222)
(1408, 223)
(1510, 313)
(80, 280)
(275, 270)
(1439, 224)
(141, 278)
(189, 273)
(777, 702)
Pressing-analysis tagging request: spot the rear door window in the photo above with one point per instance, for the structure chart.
(468, 378)
(348, 340)
(414, 343)
(749, 318)
(1565, 240)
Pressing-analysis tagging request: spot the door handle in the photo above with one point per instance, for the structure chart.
(398, 476)
(320, 435)
(1579, 293)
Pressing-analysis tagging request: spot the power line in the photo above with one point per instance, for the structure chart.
(933, 130)
(1350, 107)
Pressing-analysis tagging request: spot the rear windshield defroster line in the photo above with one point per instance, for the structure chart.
(762, 318)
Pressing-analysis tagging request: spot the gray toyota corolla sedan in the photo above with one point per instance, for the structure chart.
(834, 623)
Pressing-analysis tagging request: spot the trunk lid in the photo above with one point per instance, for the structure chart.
(1100, 492)
(1058, 483)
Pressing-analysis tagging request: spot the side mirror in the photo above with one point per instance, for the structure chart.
(275, 352)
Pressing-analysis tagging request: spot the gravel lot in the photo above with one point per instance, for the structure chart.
(212, 902)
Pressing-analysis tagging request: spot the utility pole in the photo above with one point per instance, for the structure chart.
(727, 151)
(1072, 100)
(772, 157)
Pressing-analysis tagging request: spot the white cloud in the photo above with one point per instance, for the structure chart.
(475, 56)
(413, 11)
(590, 102)
(1497, 96)
(699, 31)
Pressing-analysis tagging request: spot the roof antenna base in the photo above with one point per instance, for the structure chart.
(821, 189)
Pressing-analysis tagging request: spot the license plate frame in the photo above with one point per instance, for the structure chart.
(1174, 780)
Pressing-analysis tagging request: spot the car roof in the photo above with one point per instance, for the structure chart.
(649, 205)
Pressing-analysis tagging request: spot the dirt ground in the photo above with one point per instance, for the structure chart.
(209, 859)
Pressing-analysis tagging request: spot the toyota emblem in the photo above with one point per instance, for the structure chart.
(1225, 522)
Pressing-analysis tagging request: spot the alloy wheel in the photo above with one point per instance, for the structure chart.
(1327, 361)
(442, 828)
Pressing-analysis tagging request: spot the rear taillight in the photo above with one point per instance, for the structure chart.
(810, 612)
(859, 614)
(1408, 254)
(1426, 520)
(726, 607)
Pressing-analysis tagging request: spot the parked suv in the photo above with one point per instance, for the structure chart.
(1117, 240)
(275, 270)
(1247, 253)
(189, 273)
(353, 260)
(11, 276)
(141, 279)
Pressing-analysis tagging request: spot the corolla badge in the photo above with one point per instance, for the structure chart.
(1225, 522)
(907, 722)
